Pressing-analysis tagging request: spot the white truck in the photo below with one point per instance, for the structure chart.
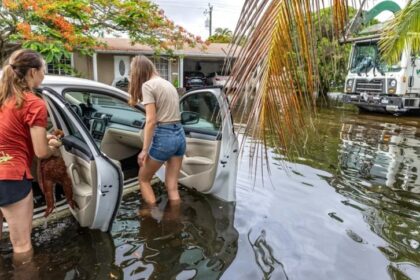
(373, 85)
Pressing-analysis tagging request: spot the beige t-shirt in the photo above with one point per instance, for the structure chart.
(164, 95)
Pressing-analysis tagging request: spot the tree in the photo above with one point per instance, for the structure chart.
(221, 35)
(332, 56)
(282, 52)
(57, 28)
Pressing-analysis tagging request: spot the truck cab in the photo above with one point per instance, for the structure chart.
(372, 84)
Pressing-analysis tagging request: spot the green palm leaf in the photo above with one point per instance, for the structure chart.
(275, 72)
(402, 31)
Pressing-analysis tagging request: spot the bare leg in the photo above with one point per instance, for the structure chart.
(173, 166)
(24, 266)
(145, 177)
(19, 219)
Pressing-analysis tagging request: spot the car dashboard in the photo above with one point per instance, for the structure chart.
(116, 118)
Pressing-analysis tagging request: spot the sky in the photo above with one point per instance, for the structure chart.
(190, 13)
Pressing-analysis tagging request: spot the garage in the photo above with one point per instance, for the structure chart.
(200, 67)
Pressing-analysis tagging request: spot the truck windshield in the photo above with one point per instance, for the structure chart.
(366, 56)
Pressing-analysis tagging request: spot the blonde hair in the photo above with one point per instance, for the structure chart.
(13, 81)
(142, 70)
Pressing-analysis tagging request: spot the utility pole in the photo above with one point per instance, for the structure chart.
(209, 12)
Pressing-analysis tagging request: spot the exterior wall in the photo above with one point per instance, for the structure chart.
(105, 68)
(84, 65)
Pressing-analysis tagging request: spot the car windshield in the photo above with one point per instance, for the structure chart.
(366, 56)
(98, 99)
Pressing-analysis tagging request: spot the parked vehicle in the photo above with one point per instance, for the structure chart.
(103, 136)
(373, 85)
(217, 79)
(194, 79)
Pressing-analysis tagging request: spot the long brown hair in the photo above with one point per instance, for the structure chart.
(142, 70)
(13, 80)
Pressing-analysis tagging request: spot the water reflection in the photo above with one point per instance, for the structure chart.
(264, 256)
(195, 239)
(347, 208)
(378, 168)
(63, 250)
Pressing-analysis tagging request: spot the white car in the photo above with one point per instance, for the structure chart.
(103, 136)
(217, 79)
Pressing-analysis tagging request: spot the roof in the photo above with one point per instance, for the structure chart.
(124, 45)
(55, 80)
(373, 29)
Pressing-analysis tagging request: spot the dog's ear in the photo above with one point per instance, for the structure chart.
(58, 133)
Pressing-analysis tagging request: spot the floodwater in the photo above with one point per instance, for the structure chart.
(349, 208)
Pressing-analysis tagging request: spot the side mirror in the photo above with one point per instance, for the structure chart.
(188, 117)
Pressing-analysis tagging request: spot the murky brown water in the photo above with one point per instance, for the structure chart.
(347, 209)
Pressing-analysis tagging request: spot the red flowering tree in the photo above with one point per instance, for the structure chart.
(57, 28)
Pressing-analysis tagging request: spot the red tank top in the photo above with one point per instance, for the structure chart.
(16, 147)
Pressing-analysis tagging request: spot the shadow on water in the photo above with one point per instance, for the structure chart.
(195, 239)
(63, 250)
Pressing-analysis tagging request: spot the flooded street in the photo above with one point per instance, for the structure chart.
(349, 208)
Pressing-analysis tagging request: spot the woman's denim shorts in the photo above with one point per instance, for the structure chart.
(168, 141)
(12, 191)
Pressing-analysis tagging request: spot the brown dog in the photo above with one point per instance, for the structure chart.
(51, 171)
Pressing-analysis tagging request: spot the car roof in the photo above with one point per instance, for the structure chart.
(55, 80)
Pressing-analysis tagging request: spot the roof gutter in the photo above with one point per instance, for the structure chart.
(147, 52)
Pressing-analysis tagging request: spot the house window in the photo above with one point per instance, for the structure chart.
(162, 67)
(60, 68)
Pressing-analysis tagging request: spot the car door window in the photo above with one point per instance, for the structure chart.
(207, 107)
(72, 130)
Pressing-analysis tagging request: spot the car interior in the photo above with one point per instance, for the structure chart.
(114, 125)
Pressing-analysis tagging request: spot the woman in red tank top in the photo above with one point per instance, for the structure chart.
(23, 134)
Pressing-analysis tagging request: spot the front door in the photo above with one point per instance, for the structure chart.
(121, 71)
(97, 181)
(210, 162)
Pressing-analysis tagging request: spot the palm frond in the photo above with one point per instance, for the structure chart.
(402, 31)
(279, 57)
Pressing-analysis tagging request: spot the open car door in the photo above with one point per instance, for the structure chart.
(97, 181)
(211, 159)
